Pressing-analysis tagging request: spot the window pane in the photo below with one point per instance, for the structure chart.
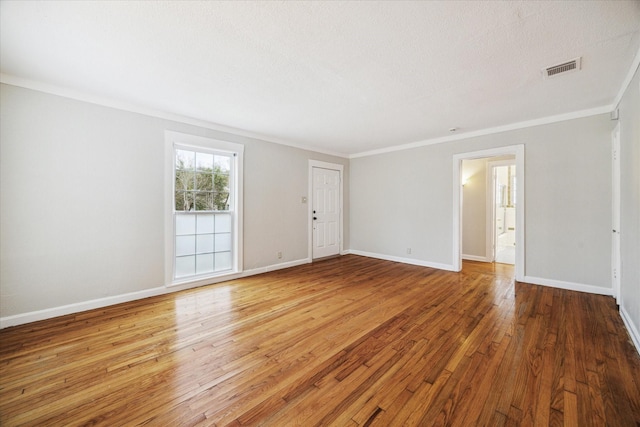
(204, 263)
(221, 201)
(222, 164)
(221, 183)
(185, 224)
(185, 245)
(185, 266)
(223, 242)
(204, 181)
(184, 201)
(185, 180)
(185, 159)
(204, 243)
(204, 161)
(223, 223)
(204, 201)
(204, 223)
(223, 261)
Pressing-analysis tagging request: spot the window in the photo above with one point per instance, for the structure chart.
(202, 180)
(205, 211)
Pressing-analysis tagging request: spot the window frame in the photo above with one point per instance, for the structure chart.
(177, 140)
(214, 153)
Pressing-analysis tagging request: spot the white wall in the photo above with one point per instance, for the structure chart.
(474, 209)
(567, 209)
(402, 200)
(81, 201)
(630, 206)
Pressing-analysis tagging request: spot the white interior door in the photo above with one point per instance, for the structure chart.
(615, 210)
(326, 212)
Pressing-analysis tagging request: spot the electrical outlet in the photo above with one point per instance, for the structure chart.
(279, 255)
(408, 251)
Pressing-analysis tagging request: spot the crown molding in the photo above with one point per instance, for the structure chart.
(627, 81)
(151, 112)
(489, 131)
(120, 105)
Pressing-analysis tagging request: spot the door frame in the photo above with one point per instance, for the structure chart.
(331, 166)
(519, 152)
(616, 264)
(491, 204)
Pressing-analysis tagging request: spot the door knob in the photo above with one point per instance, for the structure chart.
(314, 218)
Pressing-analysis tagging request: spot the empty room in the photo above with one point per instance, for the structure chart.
(372, 213)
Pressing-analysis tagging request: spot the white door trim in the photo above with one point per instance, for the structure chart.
(519, 152)
(616, 265)
(331, 166)
(491, 204)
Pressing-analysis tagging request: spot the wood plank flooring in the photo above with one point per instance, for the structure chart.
(348, 341)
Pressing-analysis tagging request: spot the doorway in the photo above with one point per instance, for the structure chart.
(615, 213)
(503, 204)
(325, 210)
(518, 194)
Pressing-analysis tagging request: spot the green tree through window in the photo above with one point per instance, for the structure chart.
(203, 214)
(201, 181)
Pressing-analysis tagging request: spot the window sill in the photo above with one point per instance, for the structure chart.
(195, 281)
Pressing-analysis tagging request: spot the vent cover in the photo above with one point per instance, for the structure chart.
(564, 68)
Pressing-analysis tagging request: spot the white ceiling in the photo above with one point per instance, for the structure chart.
(342, 77)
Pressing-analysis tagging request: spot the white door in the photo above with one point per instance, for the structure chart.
(615, 210)
(326, 212)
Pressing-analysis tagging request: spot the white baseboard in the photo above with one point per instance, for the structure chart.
(275, 267)
(567, 285)
(527, 279)
(403, 260)
(34, 316)
(475, 258)
(633, 331)
(48, 313)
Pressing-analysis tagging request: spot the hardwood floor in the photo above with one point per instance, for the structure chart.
(349, 341)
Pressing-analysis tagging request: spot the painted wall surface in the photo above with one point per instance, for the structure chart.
(474, 208)
(81, 201)
(402, 200)
(405, 198)
(630, 202)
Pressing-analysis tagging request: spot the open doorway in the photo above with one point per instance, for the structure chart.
(489, 209)
(503, 203)
(507, 205)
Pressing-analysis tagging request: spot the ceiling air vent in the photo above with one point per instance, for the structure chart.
(564, 68)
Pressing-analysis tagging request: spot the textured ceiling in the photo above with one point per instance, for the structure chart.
(342, 77)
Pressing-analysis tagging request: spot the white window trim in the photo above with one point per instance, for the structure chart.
(198, 142)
